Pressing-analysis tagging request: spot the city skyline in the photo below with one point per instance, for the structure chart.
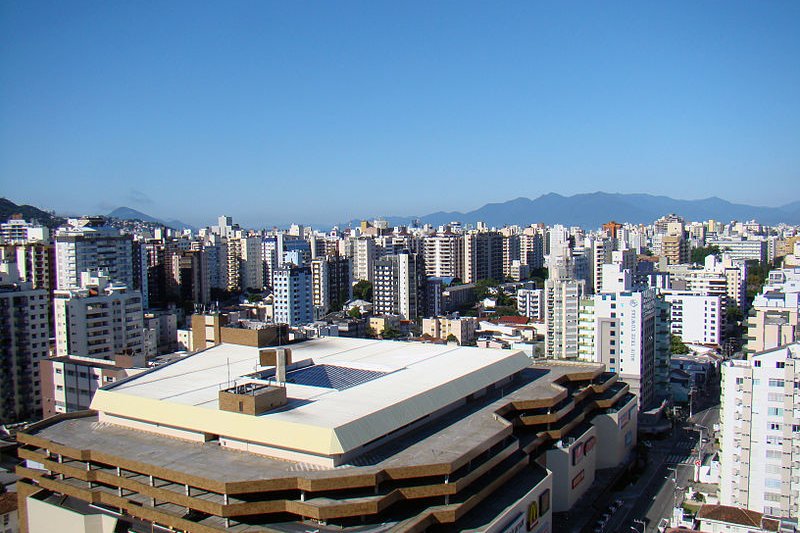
(341, 112)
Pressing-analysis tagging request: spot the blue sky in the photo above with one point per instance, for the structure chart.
(325, 111)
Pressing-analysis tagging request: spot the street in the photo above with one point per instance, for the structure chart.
(670, 465)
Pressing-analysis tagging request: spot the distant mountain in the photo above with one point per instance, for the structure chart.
(593, 209)
(126, 213)
(29, 213)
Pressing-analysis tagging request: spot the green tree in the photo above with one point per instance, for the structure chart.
(391, 333)
(451, 338)
(363, 290)
(757, 273)
(482, 288)
(506, 310)
(677, 346)
(354, 312)
(699, 254)
(733, 314)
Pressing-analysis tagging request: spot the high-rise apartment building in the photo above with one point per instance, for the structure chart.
(444, 255)
(292, 295)
(743, 248)
(531, 303)
(188, 277)
(618, 328)
(35, 263)
(19, 231)
(695, 318)
(760, 445)
(531, 247)
(562, 297)
(511, 253)
(24, 342)
(399, 287)
(331, 284)
(364, 256)
(99, 319)
(483, 256)
(675, 249)
(87, 244)
(775, 314)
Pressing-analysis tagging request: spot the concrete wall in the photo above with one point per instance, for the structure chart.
(616, 434)
(573, 468)
(531, 513)
(46, 518)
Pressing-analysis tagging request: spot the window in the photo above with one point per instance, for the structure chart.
(775, 382)
(780, 364)
(774, 427)
(775, 411)
(757, 363)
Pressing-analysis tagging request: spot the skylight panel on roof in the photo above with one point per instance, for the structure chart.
(332, 377)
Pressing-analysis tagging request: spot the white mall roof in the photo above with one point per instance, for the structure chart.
(420, 379)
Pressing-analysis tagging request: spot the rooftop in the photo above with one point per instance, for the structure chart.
(342, 393)
(737, 515)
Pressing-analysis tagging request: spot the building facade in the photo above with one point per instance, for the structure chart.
(759, 456)
(99, 319)
(293, 295)
(25, 340)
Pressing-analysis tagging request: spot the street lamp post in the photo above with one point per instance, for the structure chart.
(699, 429)
(676, 489)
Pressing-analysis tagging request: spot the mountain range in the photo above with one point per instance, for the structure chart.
(586, 210)
(127, 213)
(28, 212)
(593, 209)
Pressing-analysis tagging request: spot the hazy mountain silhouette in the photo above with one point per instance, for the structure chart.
(593, 209)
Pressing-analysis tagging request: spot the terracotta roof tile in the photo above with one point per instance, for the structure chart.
(736, 515)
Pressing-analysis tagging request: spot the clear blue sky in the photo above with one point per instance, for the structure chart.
(326, 111)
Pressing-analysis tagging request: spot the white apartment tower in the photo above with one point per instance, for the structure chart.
(760, 418)
(99, 319)
(695, 318)
(293, 295)
(562, 296)
(444, 255)
(364, 255)
(618, 328)
(251, 264)
(531, 247)
(85, 245)
(530, 303)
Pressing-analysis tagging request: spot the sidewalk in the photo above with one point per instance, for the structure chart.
(594, 501)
